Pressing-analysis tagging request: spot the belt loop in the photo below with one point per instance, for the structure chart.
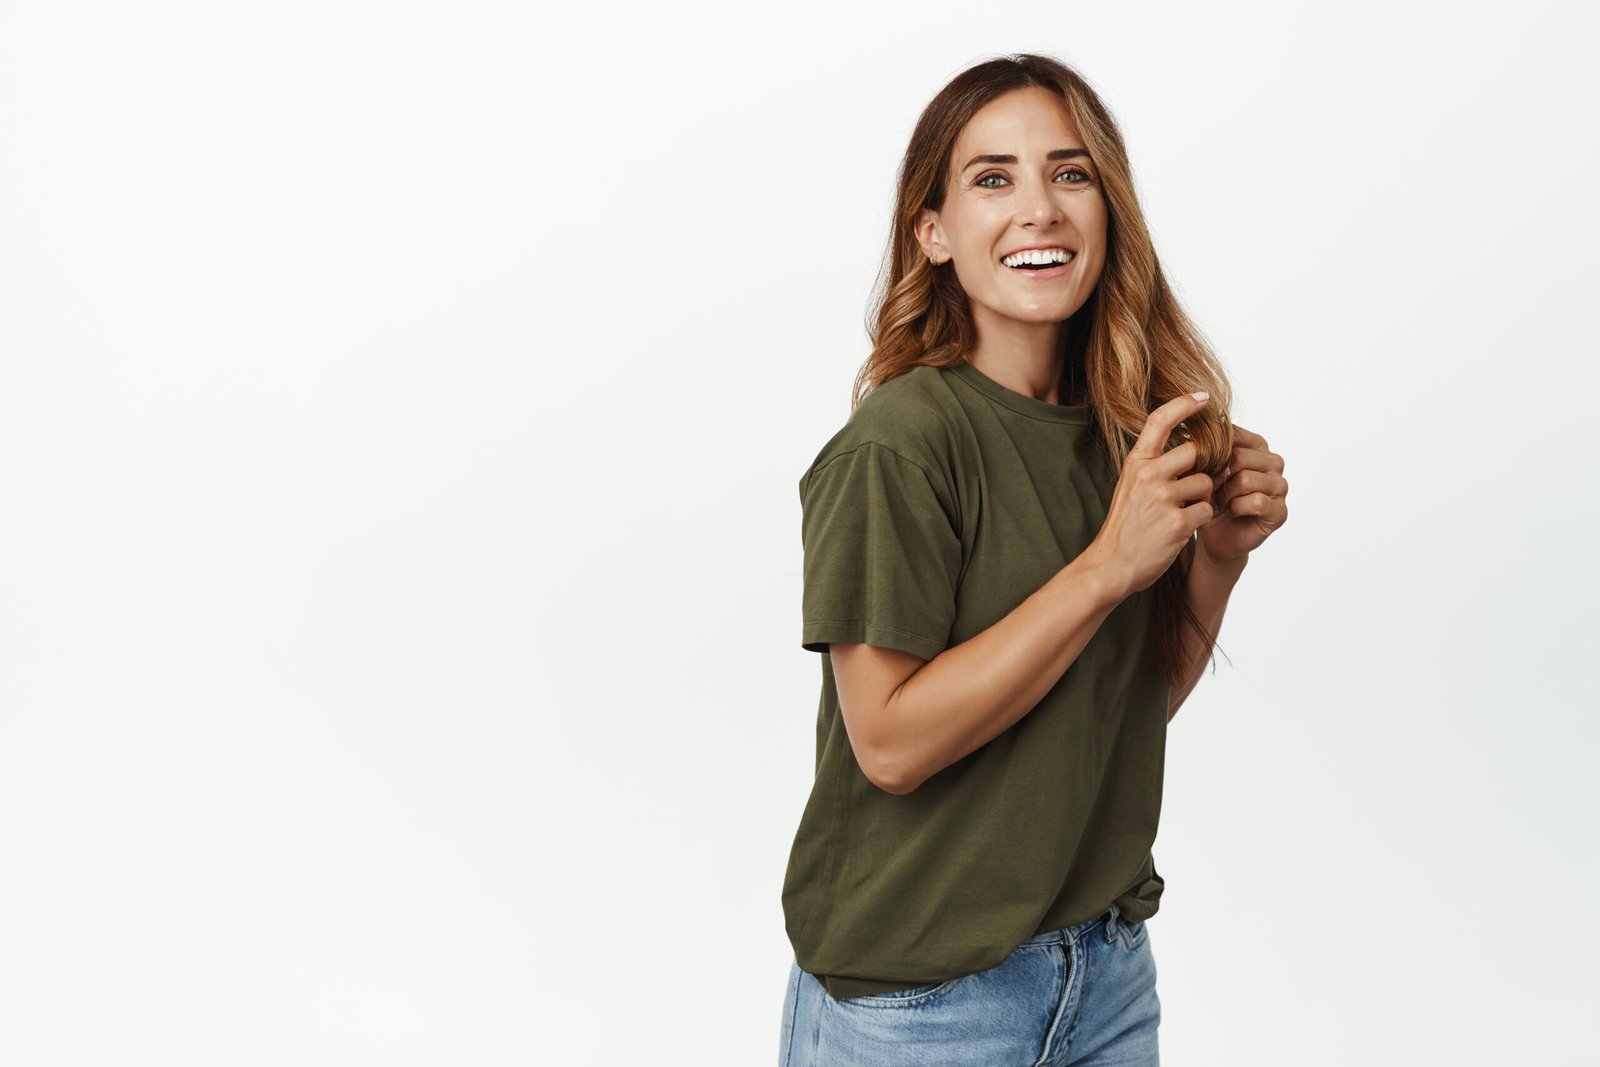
(1111, 923)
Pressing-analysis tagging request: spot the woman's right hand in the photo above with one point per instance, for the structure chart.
(1153, 510)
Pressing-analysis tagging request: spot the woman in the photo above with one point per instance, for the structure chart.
(1018, 551)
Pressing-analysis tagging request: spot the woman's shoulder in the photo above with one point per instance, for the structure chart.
(912, 414)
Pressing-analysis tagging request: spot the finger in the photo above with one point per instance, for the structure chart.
(1266, 508)
(1227, 488)
(1256, 459)
(1249, 504)
(1246, 482)
(1248, 437)
(1160, 424)
(1197, 486)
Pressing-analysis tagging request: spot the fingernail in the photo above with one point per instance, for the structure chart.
(1200, 396)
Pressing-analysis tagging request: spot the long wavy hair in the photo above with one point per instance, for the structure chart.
(1129, 349)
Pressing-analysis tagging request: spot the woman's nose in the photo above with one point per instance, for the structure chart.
(1038, 205)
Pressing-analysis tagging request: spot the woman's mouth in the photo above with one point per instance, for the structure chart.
(1051, 264)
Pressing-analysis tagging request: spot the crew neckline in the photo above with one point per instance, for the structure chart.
(1021, 403)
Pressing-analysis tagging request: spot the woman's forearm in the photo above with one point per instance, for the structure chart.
(1207, 589)
(972, 692)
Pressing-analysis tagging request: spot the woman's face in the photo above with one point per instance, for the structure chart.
(1020, 178)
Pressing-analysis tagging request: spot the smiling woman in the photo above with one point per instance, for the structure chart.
(1000, 544)
(1045, 181)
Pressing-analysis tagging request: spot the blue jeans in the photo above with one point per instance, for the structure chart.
(1083, 996)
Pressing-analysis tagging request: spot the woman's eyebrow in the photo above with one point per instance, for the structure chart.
(1059, 153)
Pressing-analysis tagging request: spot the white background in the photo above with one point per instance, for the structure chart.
(402, 413)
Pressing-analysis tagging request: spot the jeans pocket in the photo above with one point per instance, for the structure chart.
(902, 998)
(1133, 934)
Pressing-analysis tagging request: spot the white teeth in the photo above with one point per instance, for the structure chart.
(1038, 255)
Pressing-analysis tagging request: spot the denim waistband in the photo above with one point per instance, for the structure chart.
(1070, 934)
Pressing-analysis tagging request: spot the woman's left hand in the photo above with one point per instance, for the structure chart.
(1249, 502)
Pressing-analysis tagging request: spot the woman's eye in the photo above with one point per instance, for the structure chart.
(983, 181)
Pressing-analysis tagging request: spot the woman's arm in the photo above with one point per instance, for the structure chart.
(1207, 589)
(908, 718)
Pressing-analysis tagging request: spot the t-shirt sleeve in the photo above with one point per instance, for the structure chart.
(882, 557)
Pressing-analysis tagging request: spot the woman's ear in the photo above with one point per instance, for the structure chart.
(930, 235)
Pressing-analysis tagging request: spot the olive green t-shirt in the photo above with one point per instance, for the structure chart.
(945, 501)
